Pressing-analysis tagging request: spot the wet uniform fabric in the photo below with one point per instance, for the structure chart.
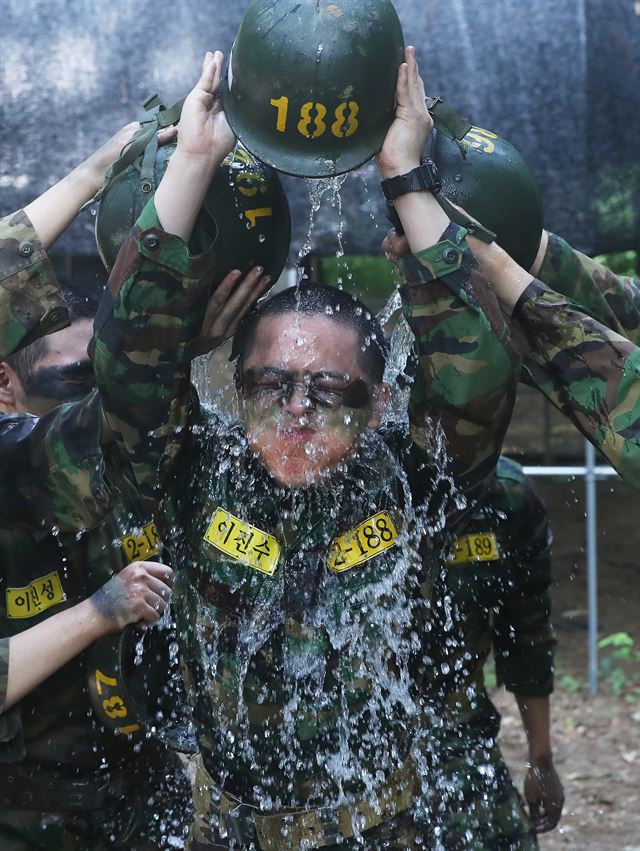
(305, 680)
(614, 300)
(30, 302)
(65, 780)
(492, 594)
(590, 372)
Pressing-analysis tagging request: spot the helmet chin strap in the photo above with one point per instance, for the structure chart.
(146, 135)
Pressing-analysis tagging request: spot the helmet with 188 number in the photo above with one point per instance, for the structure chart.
(310, 86)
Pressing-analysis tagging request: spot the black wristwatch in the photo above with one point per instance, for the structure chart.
(425, 178)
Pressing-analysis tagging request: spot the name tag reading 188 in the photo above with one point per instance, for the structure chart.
(243, 542)
(478, 547)
(373, 536)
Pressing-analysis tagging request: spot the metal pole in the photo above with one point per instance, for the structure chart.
(592, 564)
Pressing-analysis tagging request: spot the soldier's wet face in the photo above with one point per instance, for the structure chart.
(305, 396)
(63, 374)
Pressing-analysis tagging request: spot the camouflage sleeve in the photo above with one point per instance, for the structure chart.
(591, 374)
(469, 372)
(52, 468)
(147, 322)
(30, 302)
(614, 300)
(523, 638)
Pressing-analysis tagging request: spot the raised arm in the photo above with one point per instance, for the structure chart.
(157, 313)
(469, 372)
(614, 300)
(30, 301)
(591, 374)
(31, 304)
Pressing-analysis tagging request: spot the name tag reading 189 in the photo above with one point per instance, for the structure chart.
(478, 547)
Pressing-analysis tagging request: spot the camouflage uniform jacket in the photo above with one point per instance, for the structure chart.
(493, 593)
(245, 633)
(591, 374)
(30, 306)
(41, 474)
(53, 479)
(614, 300)
(30, 300)
(55, 754)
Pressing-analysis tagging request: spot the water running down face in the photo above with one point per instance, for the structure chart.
(305, 396)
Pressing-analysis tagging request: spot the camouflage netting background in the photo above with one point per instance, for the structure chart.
(557, 79)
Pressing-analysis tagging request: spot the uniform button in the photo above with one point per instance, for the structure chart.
(151, 241)
(57, 313)
(450, 255)
(25, 248)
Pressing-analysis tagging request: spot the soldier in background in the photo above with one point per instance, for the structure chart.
(493, 595)
(30, 302)
(67, 782)
(273, 770)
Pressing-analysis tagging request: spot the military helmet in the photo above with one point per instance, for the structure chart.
(134, 683)
(245, 212)
(310, 86)
(491, 180)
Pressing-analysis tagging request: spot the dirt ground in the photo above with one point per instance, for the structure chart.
(596, 740)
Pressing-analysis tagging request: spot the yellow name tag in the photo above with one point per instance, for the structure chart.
(479, 547)
(36, 597)
(141, 547)
(376, 534)
(243, 542)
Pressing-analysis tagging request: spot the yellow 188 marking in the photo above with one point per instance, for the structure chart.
(312, 124)
(373, 536)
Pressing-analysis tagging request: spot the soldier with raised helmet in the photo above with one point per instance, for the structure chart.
(295, 528)
(76, 764)
(67, 781)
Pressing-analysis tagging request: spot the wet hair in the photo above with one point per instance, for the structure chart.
(82, 302)
(318, 300)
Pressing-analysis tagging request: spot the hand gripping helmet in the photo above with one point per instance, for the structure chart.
(310, 86)
(491, 180)
(245, 212)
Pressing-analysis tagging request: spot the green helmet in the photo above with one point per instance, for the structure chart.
(310, 86)
(245, 212)
(134, 683)
(491, 180)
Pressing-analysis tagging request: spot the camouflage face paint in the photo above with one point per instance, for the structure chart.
(49, 386)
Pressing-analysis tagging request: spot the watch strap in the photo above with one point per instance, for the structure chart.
(424, 178)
